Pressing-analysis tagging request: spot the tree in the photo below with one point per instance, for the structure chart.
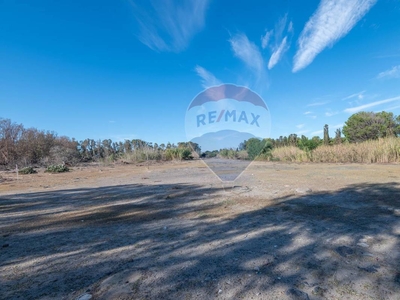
(128, 146)
(10, 133)
(338, 136)
(364, 126)
(267, 146)
(195, 147)
(326, 134)
(255, 147)
(391, 123)
(292, 139)
(137, 144)
(242, 146)
(107, 147)
(307, 144)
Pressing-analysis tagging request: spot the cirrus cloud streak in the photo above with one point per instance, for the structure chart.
(353, 110)
(332, 21)
(169, 25)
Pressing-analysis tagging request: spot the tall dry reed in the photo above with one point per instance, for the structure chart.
(386, 150)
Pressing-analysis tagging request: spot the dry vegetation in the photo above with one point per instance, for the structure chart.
(32, 147)
(385, 150)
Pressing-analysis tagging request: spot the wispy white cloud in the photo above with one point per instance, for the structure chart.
(248, 52)
(318, 103)
(332, 21)
(312, 117)
(281, 44)
(290, 27)
(280, 28)
(308, 112)
(277, 54)
(359, 95)
(169, 25)
(300, 126)
(392, 73)
(207, 78)
(353, 110)
(266, 38)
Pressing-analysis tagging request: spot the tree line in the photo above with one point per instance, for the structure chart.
(360, 127)
(30, 146)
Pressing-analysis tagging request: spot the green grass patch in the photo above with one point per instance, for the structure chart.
(57, 169)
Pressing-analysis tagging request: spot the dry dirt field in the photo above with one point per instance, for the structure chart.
(174, 231)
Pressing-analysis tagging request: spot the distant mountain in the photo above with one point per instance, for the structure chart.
(221, 139)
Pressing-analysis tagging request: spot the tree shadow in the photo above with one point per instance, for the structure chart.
(187, 241)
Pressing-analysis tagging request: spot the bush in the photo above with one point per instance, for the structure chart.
(209, 154)
(178, 154)
(228, 153)
(27, 170)
(186, 154)
(57, 169)
(242, 154)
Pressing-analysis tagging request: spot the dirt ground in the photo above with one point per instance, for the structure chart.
(174, 231)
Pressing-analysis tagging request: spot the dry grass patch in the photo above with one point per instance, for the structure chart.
(385, 150)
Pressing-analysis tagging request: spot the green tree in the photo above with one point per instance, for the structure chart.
(255, 147)
(391, 123)
(364, 126)
(195, 147)
(307, 144)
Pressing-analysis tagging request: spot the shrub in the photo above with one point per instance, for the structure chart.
(178, 154)
(209, 154)
(57, 169)
(228, 153)
(27, 170)
(186, 154)
(242, 154)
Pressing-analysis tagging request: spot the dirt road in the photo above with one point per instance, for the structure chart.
(174, 231)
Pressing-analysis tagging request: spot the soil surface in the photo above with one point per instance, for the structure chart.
(175, 231)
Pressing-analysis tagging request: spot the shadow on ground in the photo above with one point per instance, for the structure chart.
(187, 241)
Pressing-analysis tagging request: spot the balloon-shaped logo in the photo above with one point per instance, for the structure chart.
(220, 120)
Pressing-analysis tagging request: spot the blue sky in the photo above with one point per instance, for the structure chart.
(129, 69)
